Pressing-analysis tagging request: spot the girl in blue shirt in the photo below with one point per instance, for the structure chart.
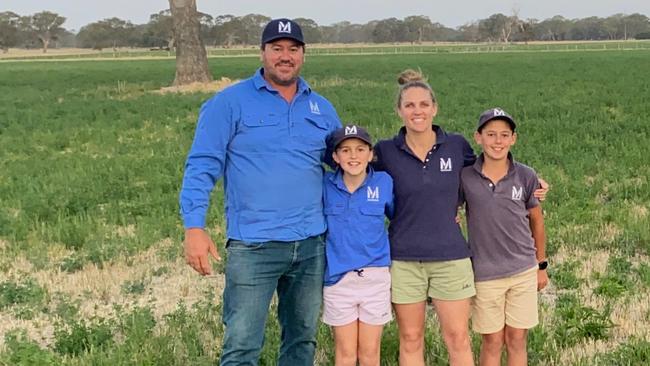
(356, 295)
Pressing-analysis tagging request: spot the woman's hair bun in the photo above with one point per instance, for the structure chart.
(409, 76)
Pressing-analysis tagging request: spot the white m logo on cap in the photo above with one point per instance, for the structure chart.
(373, 194)
(517, 193)
(284, 27)
(499, 112)
(445, 165)
(351, 130)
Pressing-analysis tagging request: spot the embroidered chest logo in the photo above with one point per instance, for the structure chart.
(284, 27)
(373, 194)
(313, 106)
(517, 194)
(350, 130)
(445, 164)
(498, 112)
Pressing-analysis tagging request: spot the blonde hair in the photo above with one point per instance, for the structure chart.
(410, 78)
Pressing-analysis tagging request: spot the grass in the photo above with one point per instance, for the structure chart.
(92, 160)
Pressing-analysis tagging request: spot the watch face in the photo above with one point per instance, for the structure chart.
(543, 265)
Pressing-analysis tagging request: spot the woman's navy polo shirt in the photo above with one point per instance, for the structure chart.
(424, 226)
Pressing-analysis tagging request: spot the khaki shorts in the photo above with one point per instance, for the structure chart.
(508, 301)
(414, 281)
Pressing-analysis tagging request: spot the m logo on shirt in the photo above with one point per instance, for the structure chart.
(350, 130)
(284, 27)
(373, 194)
(517, 194)
(445, 165)
(313, 106)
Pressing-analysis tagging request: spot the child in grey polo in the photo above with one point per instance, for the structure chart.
(507, 240)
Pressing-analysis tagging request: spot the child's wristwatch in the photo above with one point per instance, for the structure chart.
(542, 265)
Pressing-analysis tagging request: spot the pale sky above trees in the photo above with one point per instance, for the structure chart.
(324, 12)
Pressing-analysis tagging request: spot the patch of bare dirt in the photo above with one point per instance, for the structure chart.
(211, 87)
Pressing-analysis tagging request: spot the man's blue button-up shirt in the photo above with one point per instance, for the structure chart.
(269, 153)
(356, 233)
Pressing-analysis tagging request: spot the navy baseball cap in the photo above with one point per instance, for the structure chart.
(347, 132)
(495, 113)
(282, 28)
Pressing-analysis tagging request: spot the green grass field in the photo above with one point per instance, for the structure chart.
(91, 268)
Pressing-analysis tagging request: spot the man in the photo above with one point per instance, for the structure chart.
(266, 137)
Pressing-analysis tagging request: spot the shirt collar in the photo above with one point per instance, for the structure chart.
(260, 82)
(400, 139)
(478, 164)
(337, 178)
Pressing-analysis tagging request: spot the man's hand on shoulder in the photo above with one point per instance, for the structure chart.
(197, 246)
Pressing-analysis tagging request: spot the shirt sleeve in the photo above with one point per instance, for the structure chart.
(461, 191)
(390, 204)
(377, 162)
(205, 161)
(469, 157)
(532, 183)
(327, 159)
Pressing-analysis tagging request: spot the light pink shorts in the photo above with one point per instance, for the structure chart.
(364, 296)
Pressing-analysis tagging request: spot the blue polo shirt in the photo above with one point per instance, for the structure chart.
(269, 153)
(356, 234)
(426, 193)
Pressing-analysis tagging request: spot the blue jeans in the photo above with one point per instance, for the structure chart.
(253, 273)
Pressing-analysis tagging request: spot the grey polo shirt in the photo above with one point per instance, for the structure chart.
(498, 221)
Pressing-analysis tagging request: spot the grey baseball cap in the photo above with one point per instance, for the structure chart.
(495, 113)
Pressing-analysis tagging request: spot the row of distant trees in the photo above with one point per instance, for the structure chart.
(45, 29)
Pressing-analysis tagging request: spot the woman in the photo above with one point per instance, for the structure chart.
(430, 257)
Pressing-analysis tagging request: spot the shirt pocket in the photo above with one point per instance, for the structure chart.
(259, 132)
(372, 224)
(313, 131)
(333, 210)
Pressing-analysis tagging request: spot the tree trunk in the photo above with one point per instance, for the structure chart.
(191, 57)
(45, 40)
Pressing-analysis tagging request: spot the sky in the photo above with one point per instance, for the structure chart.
(451, 13)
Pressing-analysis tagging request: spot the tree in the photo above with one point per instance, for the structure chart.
(225, 30)
(46, 26)
(498, 27)
(390, 30)
(8, 30)
(526, 30)
(469, 32)
(419, 28)
(310, 30)
(159, 32)
(251, 28)
(591, 28)
(111, 32)
(346, 32)
(635, 24)
(207, 26)
(553, 29)
(191, 57)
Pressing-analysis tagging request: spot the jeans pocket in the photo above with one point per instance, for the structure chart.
(240, 245)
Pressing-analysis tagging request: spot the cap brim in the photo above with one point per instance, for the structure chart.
(275, 38)
(510, 121)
